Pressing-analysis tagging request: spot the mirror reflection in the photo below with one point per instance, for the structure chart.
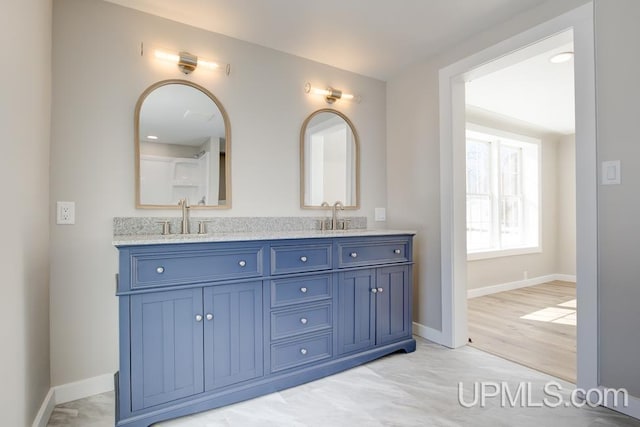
(329, 160)
(182, 147)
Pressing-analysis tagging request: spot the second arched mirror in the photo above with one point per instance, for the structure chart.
(182, 146)
(329, 161)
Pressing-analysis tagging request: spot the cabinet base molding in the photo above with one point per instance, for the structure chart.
(264, 385)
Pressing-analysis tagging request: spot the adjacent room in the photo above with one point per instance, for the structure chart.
(521, 226)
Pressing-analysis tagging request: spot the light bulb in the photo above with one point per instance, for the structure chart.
(208, 64)
(166, 56)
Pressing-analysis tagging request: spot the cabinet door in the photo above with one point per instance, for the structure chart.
(166, 347)
(392, 304)
(356, 308)
(232, 334)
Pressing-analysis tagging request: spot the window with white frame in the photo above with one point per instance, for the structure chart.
(503, 193)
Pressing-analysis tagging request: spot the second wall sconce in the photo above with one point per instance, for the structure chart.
(330, 94)
(188, 62)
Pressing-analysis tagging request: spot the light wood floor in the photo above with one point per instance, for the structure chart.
(545, 339)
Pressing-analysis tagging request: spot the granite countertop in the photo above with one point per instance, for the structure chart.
(154, 239)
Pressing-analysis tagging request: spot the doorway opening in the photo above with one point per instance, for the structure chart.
(520, 208)
(453, 182)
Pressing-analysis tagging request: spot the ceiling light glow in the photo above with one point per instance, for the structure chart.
(561, 57)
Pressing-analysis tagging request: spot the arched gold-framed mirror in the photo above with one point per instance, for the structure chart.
(182, 147)
(329, 161)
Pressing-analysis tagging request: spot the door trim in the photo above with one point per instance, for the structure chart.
(452, 190)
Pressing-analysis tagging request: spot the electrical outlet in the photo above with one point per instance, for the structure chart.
(66, 213)
(380, 214)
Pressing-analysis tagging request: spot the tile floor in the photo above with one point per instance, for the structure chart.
(417, 389)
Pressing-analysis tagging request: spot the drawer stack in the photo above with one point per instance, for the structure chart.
(301, 313)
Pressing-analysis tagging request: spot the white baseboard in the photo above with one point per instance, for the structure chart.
(565, 277)
(84, 388)
(69, 392)
(42, 417)
(427, 333)
(632, 409)
(509, 286)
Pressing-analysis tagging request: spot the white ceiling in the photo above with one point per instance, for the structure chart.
(376, 38)
(534, 90)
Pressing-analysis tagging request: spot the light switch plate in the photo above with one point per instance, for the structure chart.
(611, 172)
(380, 214)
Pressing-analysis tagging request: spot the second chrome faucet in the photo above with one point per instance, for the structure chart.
(184, 204)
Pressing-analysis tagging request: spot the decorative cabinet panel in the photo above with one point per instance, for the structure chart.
(356, 308)
(393, 321)
(182, 344)
(373, 307)
(206, 324)
(166, 347)
(232, 334)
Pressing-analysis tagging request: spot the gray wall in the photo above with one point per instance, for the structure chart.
(98, 75)
(566, 206)
(617, 70)
(25, 85)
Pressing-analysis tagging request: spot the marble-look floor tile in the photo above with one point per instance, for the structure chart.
(400, 390)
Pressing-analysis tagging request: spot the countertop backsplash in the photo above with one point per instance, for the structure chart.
(153, 225)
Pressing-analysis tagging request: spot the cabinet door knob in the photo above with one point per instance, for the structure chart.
(380, 289)
(303, 320)
(303, 258)
(303, 290)
(374, 290)
(303, 351)
(353, 255)
(396, 251)
(198, 317)
(209, 316)
(160, 270)
(242, 263)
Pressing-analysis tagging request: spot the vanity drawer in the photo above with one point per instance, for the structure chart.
(195, 266)
(368, 253)
(300, 258)
(300, 321)
(300, 289)
(300, 352)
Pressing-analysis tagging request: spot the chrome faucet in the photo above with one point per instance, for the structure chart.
(334, 218)
(184, 204)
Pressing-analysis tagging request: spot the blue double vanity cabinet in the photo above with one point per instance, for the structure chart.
(223, 318)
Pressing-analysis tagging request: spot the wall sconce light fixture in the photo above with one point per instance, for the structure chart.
(330, 94)
(188, 62)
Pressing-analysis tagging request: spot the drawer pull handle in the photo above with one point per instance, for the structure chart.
(303, 258)
(209, 316)
(303, 320)
(374, 290)
(380, 290)
(303, 351)
(198, 317)
(242, 263)
(396, 251)
(303, 290)
(353, 255)
(160, 270)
